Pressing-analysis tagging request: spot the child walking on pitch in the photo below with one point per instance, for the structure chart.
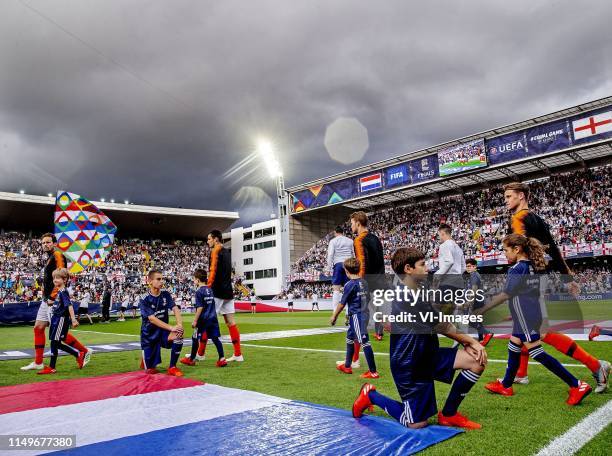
(417, 359)
(58, 332)
(155, 332)
(355, 296)
(523, 290)
(205, 323)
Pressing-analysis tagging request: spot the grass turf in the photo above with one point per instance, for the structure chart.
(518, 425)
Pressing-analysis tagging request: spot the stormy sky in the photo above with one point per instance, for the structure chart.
(155, 101)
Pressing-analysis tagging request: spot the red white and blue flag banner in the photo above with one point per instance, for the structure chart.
(371, 182)
(139, 414)
(592, 125)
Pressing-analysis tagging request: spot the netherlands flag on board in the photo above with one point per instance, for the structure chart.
(138, 414)
(371, 182)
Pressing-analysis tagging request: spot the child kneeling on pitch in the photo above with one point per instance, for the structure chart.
(58, 331)
(205, 323)
(417, 359)
(523, 290)
(355, 296)
(155, 332)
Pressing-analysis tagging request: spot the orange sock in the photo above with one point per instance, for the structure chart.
(39, 344)
(569, 347)
(356, 353)
(202, 346)
(523, 363)
(235, 336)
(74, 342)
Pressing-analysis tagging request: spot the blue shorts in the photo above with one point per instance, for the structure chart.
(414, 378)
(339, 275)
(58, 329)
(526, 319)
(358, 328)
(210, 327)
(151, 350)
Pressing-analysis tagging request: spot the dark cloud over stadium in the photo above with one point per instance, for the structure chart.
(155, 102)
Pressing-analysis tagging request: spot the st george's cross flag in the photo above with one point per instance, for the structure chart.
(84, 233)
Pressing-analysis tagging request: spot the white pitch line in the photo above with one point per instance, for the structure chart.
(100, 332)
(580, 434)
(321, 350)
(311, 349)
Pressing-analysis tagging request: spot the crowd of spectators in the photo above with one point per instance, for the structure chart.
(22, 261)
(577, 206)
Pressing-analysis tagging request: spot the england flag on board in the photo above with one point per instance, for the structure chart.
(371, 182)
(592, 125)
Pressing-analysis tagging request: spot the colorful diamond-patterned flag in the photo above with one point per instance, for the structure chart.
(84, 233)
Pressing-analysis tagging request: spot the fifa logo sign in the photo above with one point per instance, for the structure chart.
(424, 165)
(397, 175)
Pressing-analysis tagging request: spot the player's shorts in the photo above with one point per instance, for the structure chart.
(83, 310)
(123, 308)
(526, 320)
(415, 385)
(224, 306)
(339, 275)
(59, 328)
(290, 304)
(478, 303)
(151, 350)
(210, 327)
(358, 328)
(43, 313)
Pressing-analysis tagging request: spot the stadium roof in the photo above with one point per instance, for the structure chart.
(590, 154)
(33, 212)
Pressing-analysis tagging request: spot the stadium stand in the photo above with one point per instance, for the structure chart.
(21, 262)
(576, 205)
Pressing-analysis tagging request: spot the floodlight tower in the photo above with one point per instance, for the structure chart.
(266, 151)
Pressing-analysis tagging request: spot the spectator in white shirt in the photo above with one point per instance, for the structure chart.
(340, 248)
(451, 262)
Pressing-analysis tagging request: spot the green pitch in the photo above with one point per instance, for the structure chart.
(303, 368)
(455, 167)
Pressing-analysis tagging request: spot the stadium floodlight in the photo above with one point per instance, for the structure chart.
(112, 200)
(103, 199)
(22, 192)
(266, 151)
(126, 202)
(50, 195)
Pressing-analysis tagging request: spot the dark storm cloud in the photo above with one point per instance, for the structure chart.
(154, 101)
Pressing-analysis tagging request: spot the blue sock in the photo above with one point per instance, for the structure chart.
(553, 365)
(461, 386)
(605, 332)
(514, 360)
(393, 408)
(175, 353)
(350, 351)
(369, 356)
(219, 346)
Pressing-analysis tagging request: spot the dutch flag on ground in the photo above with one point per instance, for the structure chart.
(371, 182)
(139, 414)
